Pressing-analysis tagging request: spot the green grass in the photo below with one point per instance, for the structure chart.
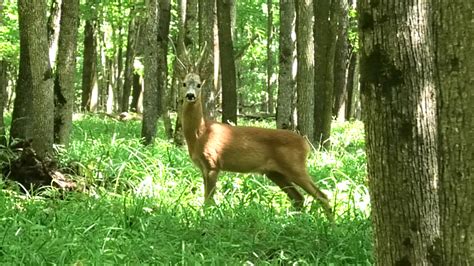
(143, 205)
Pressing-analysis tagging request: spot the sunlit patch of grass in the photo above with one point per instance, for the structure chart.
(144, 205)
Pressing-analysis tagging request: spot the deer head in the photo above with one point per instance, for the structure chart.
(192, 87)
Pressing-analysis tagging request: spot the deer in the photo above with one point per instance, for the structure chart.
(277, 153)
(213, 147)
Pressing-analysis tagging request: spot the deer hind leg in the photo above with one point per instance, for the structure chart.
(304, 180)
(287, 187)
(210, 180)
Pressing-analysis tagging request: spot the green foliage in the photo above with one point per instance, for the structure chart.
(252, 29)
(143, 205)
(9, 34)
(353, 29)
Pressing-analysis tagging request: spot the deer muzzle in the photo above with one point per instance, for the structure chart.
(191, 95)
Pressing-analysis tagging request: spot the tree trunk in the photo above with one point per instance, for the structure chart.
(150, 92)
(341, 61)
(352, 86)
(207, 16)
(286, 78)
(162, 90)
(399, 108)
(226, 49)
(89, 70)
(40, 122)
(455, 65)
(3, 96)
(102, 70)
(217, 65)
(66, 70)
(137, 93)
(3, 87)
(109, 62)
(22, 102)
(269, 85)
(305, 74)
(53, 30)
(130, 56)
(324, 46)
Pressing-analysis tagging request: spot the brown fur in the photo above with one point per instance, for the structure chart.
(279, 154)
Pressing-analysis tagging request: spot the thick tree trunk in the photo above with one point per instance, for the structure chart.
(341, 61)
(399, 108)
(66, 70)
(207, 19)
(150, 92)
(226, 50)
(40, 122)
(130, 56)
(89, 70)
(455, 63)
(305, 74)
(324, 46)
(53, 30)
(163, 31)
(287, 57)
(23, 100)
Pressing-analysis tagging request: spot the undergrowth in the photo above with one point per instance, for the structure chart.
(143, 205)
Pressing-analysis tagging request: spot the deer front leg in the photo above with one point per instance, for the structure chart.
(210, 180)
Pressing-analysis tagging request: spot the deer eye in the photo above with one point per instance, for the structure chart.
(199, 85)
(184, 84)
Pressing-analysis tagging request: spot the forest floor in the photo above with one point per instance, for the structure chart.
(143, 205)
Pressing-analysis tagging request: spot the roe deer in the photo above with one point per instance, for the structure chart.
(279, 154)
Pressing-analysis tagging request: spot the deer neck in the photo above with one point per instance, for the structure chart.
(193, 123)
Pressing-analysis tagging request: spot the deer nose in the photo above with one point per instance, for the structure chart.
(190, 96)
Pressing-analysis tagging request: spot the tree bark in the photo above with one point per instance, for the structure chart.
(3, 87)
(102, 70)
(130, 56)
(3, 96)
(341, 60)
(109, 62)
(399, 109)
(207, 19)
(119, 63)
(324, 46)
(305, 74)
(226, 50)
(455, 64)
(150, 92)
(352, 86)
(287, 57)
(66, 70)
(137, 94)
(163, 31)
(40, 118)
(53, 30)
(89, 70)
(23, 100)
